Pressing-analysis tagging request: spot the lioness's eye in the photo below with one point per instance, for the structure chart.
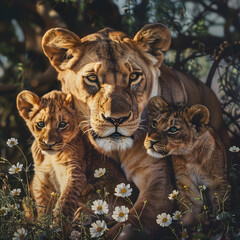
(62, 125)
(154, 123)
(134, 76)
(40, 125)
(92, 78)
(172, 129)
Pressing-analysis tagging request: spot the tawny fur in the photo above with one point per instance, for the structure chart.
(198, 155)
(68, 168)
(100, 71)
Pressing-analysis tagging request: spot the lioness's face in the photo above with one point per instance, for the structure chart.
(115, 91)
(112, 78)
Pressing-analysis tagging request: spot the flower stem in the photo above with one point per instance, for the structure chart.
(136, 213)
(28, 186)
(173, 231)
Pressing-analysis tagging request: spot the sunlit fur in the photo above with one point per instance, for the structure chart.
(113, 56)
(198, 155)
(67, 168)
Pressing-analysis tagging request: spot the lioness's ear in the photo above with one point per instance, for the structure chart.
(199, 116)
(157, 37)
(69, 100)
(26, 102)
(58, 44)
(156, 105)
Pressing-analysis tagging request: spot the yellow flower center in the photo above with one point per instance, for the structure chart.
(99, 229)
(100, 174)
(16, 170)
(121, 214)
(164, 220)
(12, 142)
(174, 195)
(16, 193)
(99, 208)
(184, 234)
(123, 190)
(177, 216)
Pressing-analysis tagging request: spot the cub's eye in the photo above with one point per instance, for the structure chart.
(154, 123)
(92, 78)
(62, 125)
(134, 76)
(40, 125)
(172, 130)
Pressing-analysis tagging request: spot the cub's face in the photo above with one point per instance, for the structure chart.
(173, 130)
(111, 77)
(51, 119)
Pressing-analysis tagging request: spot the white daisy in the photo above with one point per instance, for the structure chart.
(120, 214)
(12, 141)
(202, 187)
(177, 215)
(75, 235)
(99, 172)
(98, 228)
(15, 168)
(16, 192)
(184, 234)
(173, 195)
(100, 207)
(164, 220)
(3, 211)
(234, 149)
(122, 190)
(20, 234)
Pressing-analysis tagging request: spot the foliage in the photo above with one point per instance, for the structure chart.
(17, 211)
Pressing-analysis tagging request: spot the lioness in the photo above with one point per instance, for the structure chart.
(198, 155)
(112, 77)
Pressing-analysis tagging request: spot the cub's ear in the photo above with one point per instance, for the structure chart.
(157, 37)
(156, 105)
(58, 45)
(69, 100)
(26, 102)
(199, 116)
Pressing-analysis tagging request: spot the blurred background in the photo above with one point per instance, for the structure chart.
(205, 43)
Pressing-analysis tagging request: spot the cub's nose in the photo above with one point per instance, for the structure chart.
(152, 142)
(50, 143)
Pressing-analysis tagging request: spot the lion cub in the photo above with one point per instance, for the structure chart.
(64, 160)
(198, 155)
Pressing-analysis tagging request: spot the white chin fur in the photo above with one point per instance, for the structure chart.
(154, 154)
(49, 152)
(109, 144)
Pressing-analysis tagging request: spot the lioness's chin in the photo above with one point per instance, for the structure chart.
(109, 144)
(155, 154)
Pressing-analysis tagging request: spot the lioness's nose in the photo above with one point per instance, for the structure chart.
(117, 121)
